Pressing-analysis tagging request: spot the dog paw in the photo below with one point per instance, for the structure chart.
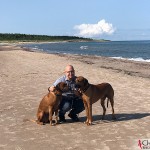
(88, 123)
(52, 124)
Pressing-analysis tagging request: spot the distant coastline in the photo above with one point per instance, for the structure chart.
(10, 37)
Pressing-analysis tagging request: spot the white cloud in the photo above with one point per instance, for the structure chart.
(94, 30)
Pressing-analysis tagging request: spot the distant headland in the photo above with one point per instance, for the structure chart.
(17, 37)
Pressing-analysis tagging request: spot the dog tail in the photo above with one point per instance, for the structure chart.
(107, 102)
(31, 120)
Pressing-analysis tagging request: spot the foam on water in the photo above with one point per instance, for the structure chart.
(133, 59)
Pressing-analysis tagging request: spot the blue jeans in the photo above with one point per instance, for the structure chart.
(73, 104)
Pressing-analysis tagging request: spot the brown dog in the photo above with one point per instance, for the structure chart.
(50, 104)
(92, 93)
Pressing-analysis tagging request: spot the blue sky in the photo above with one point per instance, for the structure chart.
(103, 19)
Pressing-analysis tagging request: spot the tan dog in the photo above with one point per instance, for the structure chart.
(50, 104)
(92, 93)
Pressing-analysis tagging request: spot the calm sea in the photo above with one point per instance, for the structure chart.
(132, 50)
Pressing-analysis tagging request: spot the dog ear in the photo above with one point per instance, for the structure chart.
(49, 89)
(55, 91)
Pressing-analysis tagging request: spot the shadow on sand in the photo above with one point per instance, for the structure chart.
(120, 117)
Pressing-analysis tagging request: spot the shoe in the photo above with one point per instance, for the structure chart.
(62, 119)
(74, 117)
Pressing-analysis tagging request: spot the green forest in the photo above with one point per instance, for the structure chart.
(28, 37)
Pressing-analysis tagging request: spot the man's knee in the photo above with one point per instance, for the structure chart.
(66, 107)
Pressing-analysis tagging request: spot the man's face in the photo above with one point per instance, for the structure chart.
(70, 73)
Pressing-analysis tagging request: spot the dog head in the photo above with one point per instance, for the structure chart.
(61, 87)
(82, 83)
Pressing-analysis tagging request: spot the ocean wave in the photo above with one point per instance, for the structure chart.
(133, 59)
(83, 47)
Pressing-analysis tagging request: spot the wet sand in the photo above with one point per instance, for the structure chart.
(25, 77)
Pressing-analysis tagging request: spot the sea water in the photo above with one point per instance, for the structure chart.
(132, 50)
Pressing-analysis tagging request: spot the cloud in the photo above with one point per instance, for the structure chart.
(95, 30)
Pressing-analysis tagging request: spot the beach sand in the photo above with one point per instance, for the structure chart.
(25, 77)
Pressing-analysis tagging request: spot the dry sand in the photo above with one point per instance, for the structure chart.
(24, 79)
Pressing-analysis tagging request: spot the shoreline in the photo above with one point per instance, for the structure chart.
(132, 68)
(25, 77)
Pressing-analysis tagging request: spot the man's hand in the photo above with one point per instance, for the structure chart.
(51, 89)
(77, 92)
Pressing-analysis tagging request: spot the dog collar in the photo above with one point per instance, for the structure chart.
(86, 88)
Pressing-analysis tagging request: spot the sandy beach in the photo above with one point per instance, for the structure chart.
(25, 77)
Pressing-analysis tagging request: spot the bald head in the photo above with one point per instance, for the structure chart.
(69, 68)
(70, 72)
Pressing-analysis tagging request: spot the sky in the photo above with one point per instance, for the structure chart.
(116, 20)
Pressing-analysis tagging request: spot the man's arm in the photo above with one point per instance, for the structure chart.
(61, 79)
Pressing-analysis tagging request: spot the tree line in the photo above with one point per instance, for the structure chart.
(29, 37)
